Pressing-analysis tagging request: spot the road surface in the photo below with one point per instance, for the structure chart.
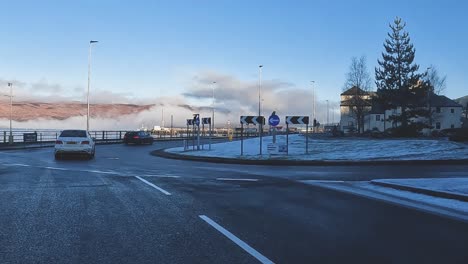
(127, 206)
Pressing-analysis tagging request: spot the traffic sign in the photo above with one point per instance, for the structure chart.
(297, 120)
(274, 120)
(189, 122)
(196, 119)
(206, 120)
(256, 120)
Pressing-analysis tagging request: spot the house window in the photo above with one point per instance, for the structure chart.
(438, 125)
(377, 118)
(438, 110)
(452, 110)
(452, 126)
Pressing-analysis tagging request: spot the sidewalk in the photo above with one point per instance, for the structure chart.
(451, 188)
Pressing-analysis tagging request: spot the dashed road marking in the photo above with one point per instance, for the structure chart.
(162, 176)
(154, 186)
(236, 240)
(234, 179)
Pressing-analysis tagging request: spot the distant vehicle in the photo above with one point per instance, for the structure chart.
(78, 142)
(138, 137)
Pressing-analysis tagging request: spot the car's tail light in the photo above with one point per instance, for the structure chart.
(136, 137)
(59, 142)
(84, 142)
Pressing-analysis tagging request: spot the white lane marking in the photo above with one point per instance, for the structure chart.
(154, 186)
(321, 181)
(236, 240)
(101, 172)
(18, 165)
(161, 176)
(234, 179)
(54, 168)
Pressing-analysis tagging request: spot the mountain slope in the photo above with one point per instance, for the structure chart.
(24, 111)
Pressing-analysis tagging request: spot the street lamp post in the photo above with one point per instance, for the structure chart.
(328, 114)
(10, 138)
(89, 81)
(213, 107)
(313, 99)
(259, 89)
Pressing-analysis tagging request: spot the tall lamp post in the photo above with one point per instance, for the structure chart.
(213, 107)
(328, 114)
(259, 89)
(10, 138)
(313, 99)
(89, 81)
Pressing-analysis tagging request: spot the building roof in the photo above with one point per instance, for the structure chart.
(355, 90)
(352, 102)
(442, 101)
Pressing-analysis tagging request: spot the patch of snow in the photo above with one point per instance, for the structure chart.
(338, 149)
(450, 185)
(442, 206)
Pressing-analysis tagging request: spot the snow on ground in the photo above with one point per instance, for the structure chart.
(451, 185)
(449, 207)
(339, 149)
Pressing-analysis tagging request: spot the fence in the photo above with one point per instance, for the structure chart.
(49, 136)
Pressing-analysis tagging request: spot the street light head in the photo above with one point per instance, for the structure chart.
(260, 66)
(93, 41)
(10, 84)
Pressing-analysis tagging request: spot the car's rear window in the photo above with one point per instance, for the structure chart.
(131, 133)
(73, 133)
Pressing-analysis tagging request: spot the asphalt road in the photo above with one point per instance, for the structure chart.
(127, 206)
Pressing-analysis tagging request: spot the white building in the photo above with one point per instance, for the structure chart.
(446, 113)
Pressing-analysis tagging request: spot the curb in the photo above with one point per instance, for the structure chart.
(163, 154)
(440, 194)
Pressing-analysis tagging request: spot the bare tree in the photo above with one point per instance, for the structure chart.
(437, 82)
(359, 78)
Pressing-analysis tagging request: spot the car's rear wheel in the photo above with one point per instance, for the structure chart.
(58, 156)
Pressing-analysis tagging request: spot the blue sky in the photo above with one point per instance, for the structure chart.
(149, 49)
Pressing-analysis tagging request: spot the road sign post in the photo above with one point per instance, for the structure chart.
(196, 122)
(256, 120)
(307, 139)
(242, 139)
(207, 121)
(273, 121)
(297, 120)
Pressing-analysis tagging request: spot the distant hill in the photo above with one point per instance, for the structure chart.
(24, 111)
(462, 100)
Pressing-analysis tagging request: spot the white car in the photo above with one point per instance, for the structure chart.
(75, 142)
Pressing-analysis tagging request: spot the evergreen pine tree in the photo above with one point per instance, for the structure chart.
(397, 77)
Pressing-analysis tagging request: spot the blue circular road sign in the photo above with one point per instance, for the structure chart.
(274, 120)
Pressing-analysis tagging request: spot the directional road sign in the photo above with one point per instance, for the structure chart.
(256, 120)
(189, 122)
(196, 119)
(206, 120)
(274, 120)
(297, 120)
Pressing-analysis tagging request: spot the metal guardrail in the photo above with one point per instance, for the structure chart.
(49, 136)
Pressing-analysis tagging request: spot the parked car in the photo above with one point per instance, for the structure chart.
(78, 142)
(138, 137)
